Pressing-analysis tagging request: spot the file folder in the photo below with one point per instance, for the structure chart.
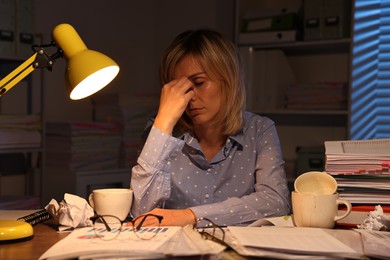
(326, 19)
(7, 28)
(25, 29)
(312, 19)
(336, 19)
(282, 22)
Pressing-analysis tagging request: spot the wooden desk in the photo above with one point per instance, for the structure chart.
(45, 235)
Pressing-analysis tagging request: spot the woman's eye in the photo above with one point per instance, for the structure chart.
(198, 83)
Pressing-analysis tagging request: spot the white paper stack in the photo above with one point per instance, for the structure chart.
(361, 169)
(83, 146)
(20, 131)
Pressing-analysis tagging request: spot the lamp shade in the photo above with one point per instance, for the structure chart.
(87, 71)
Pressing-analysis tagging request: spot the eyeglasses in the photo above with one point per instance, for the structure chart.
(108, 227)
(209, 230)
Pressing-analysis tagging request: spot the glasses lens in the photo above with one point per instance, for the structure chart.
(107, 227)
(146, 227)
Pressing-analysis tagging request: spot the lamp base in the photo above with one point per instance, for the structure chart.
(15, 231)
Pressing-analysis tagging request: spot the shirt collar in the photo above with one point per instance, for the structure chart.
(236, 139)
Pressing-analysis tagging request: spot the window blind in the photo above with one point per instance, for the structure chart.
(370, 82)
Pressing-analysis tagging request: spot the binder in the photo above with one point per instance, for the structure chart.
(7, 28)
(312, 19)
(25, 29)
(288, 21)
(336, 17)
(326, 19)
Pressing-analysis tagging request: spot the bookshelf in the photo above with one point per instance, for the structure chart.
(22, 139)
(272, 67)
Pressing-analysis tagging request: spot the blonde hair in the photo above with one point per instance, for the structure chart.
(221, 61)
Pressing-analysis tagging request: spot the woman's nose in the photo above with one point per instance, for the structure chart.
(195, 93)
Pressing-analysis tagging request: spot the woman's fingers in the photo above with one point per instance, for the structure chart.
(175, 96)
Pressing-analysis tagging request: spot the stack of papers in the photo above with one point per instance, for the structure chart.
(320, 96)
(83, 146)
(20, 131)
(361, 169)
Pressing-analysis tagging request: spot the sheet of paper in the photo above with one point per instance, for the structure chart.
(283, 221)
(83, 242)
(376, 243)
(294, 240)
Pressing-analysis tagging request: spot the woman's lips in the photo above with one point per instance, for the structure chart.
(195, 111)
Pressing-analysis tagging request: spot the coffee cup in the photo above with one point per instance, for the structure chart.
(116, 202)
(314, 182)
(320, 211)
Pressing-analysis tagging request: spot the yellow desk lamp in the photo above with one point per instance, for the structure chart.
(87, 71)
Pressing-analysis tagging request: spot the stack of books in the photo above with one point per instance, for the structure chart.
(82, 146)
(319, 96)
(362, 171)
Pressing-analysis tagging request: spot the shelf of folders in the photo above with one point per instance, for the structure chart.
(361, 169)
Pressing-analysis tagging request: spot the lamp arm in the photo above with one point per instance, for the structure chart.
(40, 59)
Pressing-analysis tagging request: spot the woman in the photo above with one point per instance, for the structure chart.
(205, 157)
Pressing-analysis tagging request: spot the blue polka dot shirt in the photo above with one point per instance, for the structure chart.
(245, 180)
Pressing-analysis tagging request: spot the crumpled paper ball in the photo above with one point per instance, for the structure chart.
(72, 212)
(376, 220)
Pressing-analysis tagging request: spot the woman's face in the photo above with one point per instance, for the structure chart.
(206, 103)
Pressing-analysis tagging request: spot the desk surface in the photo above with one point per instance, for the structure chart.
(45, 235)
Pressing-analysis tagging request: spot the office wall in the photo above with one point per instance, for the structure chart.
(133, 33)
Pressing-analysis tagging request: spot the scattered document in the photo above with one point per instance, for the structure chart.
(294, 241)
(376, 243)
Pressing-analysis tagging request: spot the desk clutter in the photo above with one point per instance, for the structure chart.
(283, 241)
(272, 238)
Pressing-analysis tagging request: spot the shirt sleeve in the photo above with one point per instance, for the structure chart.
(271, 195)
(151, 173)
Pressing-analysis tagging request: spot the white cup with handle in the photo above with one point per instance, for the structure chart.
(319, 211)
(116, 201)
(315, 200)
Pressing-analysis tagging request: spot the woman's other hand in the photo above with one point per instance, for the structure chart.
(174, 217)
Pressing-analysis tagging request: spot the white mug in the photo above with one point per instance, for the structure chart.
(318, 211)
(116, 202)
